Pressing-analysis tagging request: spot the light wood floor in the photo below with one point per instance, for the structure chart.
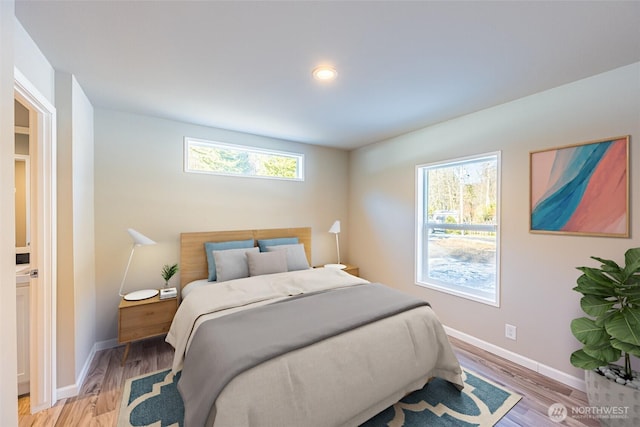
(99, 399)
(538, 392)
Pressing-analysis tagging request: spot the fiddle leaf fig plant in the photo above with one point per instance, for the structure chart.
(611, 301)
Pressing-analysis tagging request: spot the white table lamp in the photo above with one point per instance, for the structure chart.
(139, 239)
(335, 229)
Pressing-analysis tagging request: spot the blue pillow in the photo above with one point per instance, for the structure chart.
(209, 247)
(262, 244)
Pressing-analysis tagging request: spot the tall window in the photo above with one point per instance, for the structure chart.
(457, 227)
(227, 159)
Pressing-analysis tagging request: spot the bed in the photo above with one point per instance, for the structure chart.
(312, 369)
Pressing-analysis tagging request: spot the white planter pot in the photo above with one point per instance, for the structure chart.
(613, 404)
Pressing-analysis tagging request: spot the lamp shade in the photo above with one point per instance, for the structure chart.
(140, 239)
(335, 229)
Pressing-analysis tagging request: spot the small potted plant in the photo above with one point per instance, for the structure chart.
(611, 330)
(168, 271)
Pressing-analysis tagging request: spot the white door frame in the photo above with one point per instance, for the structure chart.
(42, 125)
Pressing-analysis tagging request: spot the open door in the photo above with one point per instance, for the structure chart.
(42, 305)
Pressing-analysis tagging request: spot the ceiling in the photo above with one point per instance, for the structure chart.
(246, 66)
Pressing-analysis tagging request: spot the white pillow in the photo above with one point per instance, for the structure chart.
(232, 263)
(296, 256)
(267, 262)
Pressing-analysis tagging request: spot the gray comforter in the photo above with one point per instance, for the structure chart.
(224, 347)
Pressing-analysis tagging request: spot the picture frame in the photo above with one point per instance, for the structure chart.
(581, 189)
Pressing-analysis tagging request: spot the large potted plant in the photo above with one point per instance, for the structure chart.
(610, 331)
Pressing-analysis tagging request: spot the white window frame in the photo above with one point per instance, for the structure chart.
(422, 230)
(188, 142)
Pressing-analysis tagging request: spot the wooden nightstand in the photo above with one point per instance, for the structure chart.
(351, 269)
(142, 319)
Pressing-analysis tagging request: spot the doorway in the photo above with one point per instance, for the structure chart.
(42, 264)
(22, 195)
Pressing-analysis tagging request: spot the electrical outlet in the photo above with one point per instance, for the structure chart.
(510, 331)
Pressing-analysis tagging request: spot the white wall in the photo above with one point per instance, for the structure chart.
(76, 245)
(8, 373)
(140, 183)
(65, 324)
(33, 64)
(83, 226)
(537, 271)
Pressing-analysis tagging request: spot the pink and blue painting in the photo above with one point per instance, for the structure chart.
(581, 189)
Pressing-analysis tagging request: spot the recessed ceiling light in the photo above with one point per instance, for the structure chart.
(324, 72)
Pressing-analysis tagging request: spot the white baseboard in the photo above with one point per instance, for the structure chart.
(103, 345)
(74, 389)
(67, 392)
(545, 370)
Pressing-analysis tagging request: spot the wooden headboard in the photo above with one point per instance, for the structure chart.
(193, 259)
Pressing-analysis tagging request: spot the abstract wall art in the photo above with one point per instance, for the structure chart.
(581, 189)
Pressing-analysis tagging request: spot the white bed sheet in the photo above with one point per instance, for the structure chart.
(191, 286)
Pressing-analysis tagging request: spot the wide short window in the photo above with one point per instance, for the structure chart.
(229, 159)
(457, 229)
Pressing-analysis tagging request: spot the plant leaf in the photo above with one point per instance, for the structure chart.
(595, 306)
(632, 293)
(588, 286)
(610, 267)
(168, 271)
(626, 347)
(624, 326)
(602, 320)
(605, 352)
(587, 332)
(607, 263)
(632, 261)
(597, 275)
(580, 359)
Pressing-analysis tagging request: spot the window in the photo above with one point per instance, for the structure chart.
(457, 248)
(227, 159)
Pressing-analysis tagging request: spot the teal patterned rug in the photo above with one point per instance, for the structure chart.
(153, 399)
